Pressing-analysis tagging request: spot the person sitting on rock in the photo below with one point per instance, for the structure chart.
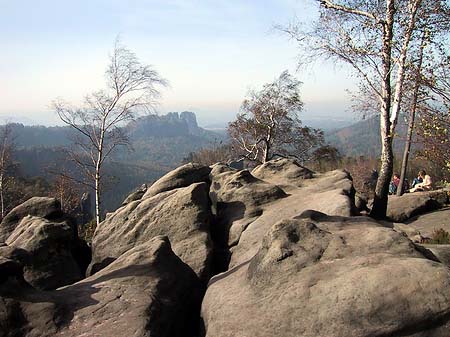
(416, 181)
(425, 185)
(394, 184)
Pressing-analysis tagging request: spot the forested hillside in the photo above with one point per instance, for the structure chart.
(363, 138)
(158, 144)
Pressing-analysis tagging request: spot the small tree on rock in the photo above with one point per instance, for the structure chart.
(268, 124)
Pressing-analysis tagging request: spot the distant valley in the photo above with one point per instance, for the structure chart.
(159, 144)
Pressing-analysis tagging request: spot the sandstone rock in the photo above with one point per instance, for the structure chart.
(331, 277)
(182, 214)
(331, 193)
(426, 224)
(24, 311)
(283, 171)
(183, 176)
(442, 252)
(148, 291)
(409, 205)
(136, 195)
(48, 208)
(46, 249)
(238, 198)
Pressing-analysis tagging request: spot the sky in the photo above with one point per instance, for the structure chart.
(211, 51)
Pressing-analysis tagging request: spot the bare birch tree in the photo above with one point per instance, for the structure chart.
(132, 88)
(268, 124)
(374, 38)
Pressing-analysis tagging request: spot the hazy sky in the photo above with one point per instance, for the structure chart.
(211, 51)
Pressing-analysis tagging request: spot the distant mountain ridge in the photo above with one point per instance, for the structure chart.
(159, 144)
(173, 124)
(363, 138)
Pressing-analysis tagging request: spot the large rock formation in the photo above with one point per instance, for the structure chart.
(183, 214)
(296, 261)
(283, 172)
(181, 177)
(333, 277)
(46, 249)
(148, 291)
(49, 250)
(47, 208)
(409, 205)
(238, 198)
(331, 193)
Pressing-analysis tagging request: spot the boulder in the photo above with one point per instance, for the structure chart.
(238, 199)
(47, 208)
(183, 176)
(408, 205)
(426, 224)
(331, 277)
(148, 291)
(183, 214)
(331, 193)
(283, 171)
(48, 251)
(24, 311)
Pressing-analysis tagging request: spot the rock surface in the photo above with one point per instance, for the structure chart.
(331, 193)
(181, 177)
(136, 195)
(442, 252)
(148, 291)
(426, 224)
(47, 208)
(283, 171)
(297, 263)
(238, 198)
(183, 214)
(47, 251)
(331, 277)
(409, 205)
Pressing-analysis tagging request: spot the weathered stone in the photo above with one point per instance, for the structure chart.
(48, 208)
(283, 171)
(47, 251)
(331, 193)
(409, 205)
(136, 195)
(182, 214)
(238, 199)
(442, 252)
(148, 291)
(183, 176)
(331, 277)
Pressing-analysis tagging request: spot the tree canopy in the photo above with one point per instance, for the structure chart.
(268, 124)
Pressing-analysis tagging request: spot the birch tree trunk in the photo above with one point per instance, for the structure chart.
(381, 190)
(411, 118)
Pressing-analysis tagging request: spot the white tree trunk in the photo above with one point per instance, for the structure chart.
(97, 197)
(381, 190)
